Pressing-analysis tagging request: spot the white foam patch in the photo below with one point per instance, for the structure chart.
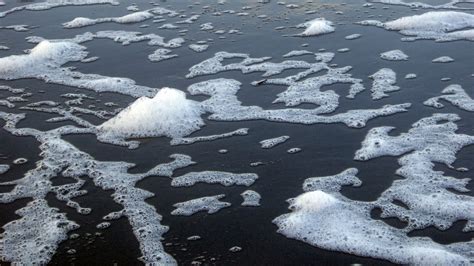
(18, 28)
(297, 53)
(250, 198)
(168, 114)
(34, 238)
(214, 177)
(191, 140)
(61, 158)
(394, 55)
(316, 27)
(126, 19)
(411, 76)
(270, 143)
(455, 95)
(353, 36)
(48, 4)
(423, 190)
(224, 106)
(443, 59)
(452, 4)
(199, 48)
(189, 20)
(383, 83)
(440, 26)
(4, 168)
(333, 183)
(206, 26)
(325, 221)
(211, 204)
(45, 60)
(161, 54)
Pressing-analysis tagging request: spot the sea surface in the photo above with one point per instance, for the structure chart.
(326, 149)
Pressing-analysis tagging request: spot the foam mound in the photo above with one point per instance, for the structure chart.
(168, 114)
(435, 25)
(316, 27)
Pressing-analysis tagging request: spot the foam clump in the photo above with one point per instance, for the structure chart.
(135, 17)
(34, 238)
(353, 36)
(161, 54)
(326, 221)
(452, 4)
(440, 26)
(48, 4)
(198, 47)
(224, 105)
(214, 177)
(45, 61)
(251, 198)
(4, 168)
(394, 55)
(191, 140)
(211, 204)
(168, 114)
(333, 183)
(423, 190)
(455, 95)
(270, 143)
(316, 27)
(383, 82)
(443, 59)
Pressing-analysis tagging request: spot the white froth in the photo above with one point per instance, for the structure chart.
(214, 177)
(353, 36)
(270, 143)
(211, 204)
(48, 4)
(198, 47)
(443, 59)
(4, 168)
(394, 55)
(316, 27)
(191, 140)
(434, 25)
(161, 54)
(169, 114)
(126, 19)
(384, 81)
(455, 95)
(251, 198)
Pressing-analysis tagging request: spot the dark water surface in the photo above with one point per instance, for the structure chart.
(326, 149)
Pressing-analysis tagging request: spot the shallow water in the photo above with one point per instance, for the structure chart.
(327, 149)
